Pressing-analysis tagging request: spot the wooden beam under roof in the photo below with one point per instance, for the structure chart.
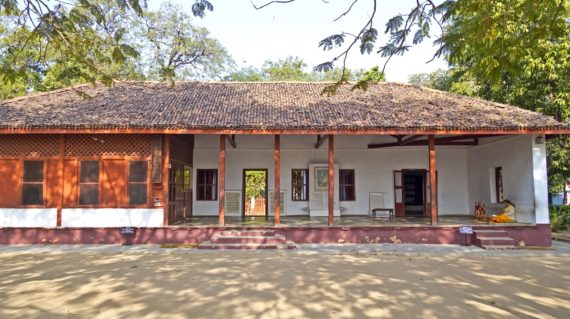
(467, 140)
(232, 140)
(320, 140)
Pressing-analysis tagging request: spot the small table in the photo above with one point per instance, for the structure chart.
(376, 210)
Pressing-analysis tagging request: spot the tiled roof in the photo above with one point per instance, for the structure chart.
(285, 106)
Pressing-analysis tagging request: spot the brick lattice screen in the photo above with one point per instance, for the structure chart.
(107, 145)
(29, 145)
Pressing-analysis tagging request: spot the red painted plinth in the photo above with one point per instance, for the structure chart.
(532, 235)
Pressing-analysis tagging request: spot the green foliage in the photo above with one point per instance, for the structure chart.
(505, 36)
(106, 42)
(515, 52)
(374, 75)
(173, 48)
(255, 184)
(289, 69)
(439, 79)
(558, 151)
(560, 217)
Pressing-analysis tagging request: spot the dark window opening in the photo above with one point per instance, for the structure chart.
(346, 185)
(300, 184)
(207, 184)
(89, 183)
(499, 184)
(33, 183)
(138, 182)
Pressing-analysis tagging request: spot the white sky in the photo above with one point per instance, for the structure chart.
(253, 36)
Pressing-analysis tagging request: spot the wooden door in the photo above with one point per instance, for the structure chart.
(399, 206)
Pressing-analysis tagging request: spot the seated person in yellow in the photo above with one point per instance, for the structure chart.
(507, 215)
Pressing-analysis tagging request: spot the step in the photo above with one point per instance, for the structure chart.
(491, 233)
(277, 239)
(249, 232)
(214, 246)
(487, 241)
(498, 247)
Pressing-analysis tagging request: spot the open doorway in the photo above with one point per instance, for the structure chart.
(414, 182)
(255, 192)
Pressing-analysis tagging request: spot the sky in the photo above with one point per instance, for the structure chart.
(253, 36)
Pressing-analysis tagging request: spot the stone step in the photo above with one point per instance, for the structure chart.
(224, 246)
(248, 232)
(489, 231)
(488, 241)
(276, 239)
(498, 247)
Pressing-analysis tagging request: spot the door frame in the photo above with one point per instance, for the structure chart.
(243, 199)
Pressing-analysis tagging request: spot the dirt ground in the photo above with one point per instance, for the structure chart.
(174, 284)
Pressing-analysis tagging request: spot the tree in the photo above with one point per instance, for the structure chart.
(516, 52)
(171, 47)
(175, 48)
(289, 69)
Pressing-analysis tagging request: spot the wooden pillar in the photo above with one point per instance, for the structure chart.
(432, 180)
(222, 180)
(165, 177)
(60, 169)
(331, 179)
(277, 158)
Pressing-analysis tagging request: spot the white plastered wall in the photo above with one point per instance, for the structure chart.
(373, 168)
(112, 217)
(28, 217)
(523, 164)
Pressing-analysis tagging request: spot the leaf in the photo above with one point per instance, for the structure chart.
(118, 36)
(418, 37)
(129, 50)
(368, 39)
(332, 41)
(324, 67)
(118, 56)
(394, 23)
(200, 6)
(360, 85)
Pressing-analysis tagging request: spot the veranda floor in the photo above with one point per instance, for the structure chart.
(361, 221)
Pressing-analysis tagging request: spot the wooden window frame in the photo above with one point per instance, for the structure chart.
(101, 159)
(44, 190)
(146, 182)
(198, 185)
(340, 185)
(100, 193)
(306, 185)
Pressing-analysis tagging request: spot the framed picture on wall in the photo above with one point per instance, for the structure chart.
(321, 179)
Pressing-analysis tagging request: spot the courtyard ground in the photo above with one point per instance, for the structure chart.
(332, 281)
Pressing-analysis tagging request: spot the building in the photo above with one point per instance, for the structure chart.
(174, 162)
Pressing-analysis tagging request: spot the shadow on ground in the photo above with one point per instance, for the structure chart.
(280, 285)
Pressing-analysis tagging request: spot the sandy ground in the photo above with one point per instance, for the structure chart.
(189, 284)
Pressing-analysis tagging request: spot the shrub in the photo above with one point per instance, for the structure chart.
(560, 217)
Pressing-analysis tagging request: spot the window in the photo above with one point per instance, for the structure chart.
(300, 184)
(499, 184)
(89, 183)
(33, 183)
(207, 184)
(138, 181)
(346, 185)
